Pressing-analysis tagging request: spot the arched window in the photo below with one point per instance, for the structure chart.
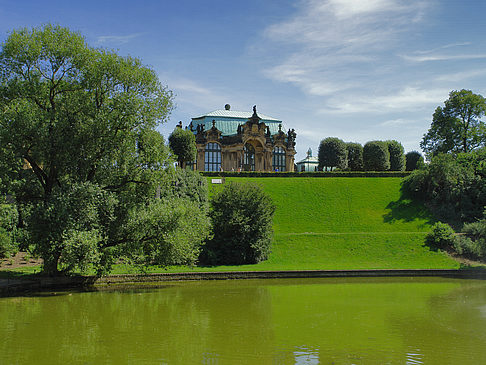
(278, 159)
(249, 163)
(212, 157)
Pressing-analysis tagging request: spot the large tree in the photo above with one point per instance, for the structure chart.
(376, 156)
(82, 121)
(182, 142)
(456, 127)
(397, 155)
(355, 156)
(332, 153)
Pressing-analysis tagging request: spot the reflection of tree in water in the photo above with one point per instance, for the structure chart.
(189, 323)
(450, 329)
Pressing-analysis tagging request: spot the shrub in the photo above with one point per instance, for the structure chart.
(463, 245)
(332, 153)
(376, 156)
(242, 216)
(7, 246)
(355, 156)
(186, 184)
(441, 236)
(476, 233)
(413, 161)
(8, 229)
(453, 187)
(397, 157)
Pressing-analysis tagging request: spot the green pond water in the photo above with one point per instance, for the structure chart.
(311, 321)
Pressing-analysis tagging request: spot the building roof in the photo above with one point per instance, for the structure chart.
(236, 114)
(309, 160)
(227, 121)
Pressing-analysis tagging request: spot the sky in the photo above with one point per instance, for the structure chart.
(358, 70)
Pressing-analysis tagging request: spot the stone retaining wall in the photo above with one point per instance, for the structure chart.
(12, 286)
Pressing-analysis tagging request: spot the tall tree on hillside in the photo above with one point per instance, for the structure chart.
(457, 127)
(355, 156)
(332, 153)
(81, 124)
(376, 156)
(182, 142)
(397, 155)
(414, 160)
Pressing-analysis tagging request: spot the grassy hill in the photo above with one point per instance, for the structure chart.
(345, 223)
(338, 223)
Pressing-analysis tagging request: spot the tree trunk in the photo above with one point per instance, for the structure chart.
(51, 265)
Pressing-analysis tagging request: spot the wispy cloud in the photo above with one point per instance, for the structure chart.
(407, 98)
(445, 46)
(463, 75)
(117, 39)
(338, 45)
(439, 57)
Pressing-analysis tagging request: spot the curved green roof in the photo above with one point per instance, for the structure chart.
(227, 121)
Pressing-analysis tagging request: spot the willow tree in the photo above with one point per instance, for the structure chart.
(82, 122)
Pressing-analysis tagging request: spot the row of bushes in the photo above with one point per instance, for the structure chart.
(306, 174)
(374, 156)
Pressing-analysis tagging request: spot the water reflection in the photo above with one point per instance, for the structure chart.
(304, 356)
(315, 321)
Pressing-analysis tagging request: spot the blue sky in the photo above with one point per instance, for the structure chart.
(359, 70)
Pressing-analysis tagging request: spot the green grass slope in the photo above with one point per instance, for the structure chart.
(345, 223)
(338, 224)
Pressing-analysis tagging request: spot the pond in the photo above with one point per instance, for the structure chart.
(276, 321)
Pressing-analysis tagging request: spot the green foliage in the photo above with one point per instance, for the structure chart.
(79, 120)
(73, 226)
(456, 127)
(355, 156)
(473, 241)
(453, 186)
(465, 246)
(307, 174)
(182, 142)
(332, 153)
(185, 183)
(441, 236)
(414, 160)
(397, 155)
(9, 218)
(376, 156)
(166, 232)
(242, 216)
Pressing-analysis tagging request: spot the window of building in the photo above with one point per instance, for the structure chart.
(212, 157)
(278, 159)
(249, 163)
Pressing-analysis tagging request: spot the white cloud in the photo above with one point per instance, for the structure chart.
(338, 45)
(446, 46)
(394, 122)
(117, 39)
(439, 57)
(461, 76)
(406, 99)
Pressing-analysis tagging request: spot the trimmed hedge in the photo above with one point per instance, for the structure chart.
(306, 174)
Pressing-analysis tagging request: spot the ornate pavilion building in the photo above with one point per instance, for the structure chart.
(229, 140)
